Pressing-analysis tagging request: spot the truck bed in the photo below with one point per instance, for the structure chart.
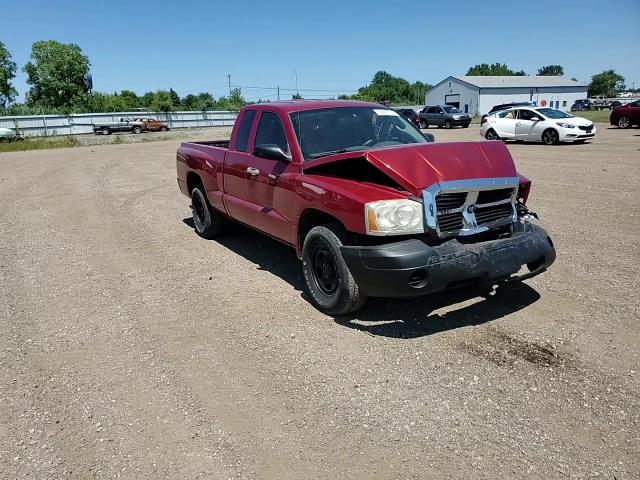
(211, 143)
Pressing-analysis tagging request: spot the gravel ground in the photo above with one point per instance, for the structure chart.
(132, 348)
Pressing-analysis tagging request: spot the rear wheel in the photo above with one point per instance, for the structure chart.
(550, 137)
(491, 135)
(207, 221)
(106, 131)
(448, 124)
(624, 122)
(163, 129)
(329, 281)
(424, 124)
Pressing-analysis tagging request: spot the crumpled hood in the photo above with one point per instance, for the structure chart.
(419, 166)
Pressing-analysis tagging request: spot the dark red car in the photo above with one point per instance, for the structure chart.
(370, 204)
(626, 115)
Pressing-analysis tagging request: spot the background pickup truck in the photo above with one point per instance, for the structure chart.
(124, 124)
(372, 207)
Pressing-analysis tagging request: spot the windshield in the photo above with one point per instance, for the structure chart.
(327, 131)
(553, 113)
(451, 110)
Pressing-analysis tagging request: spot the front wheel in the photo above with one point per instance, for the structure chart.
(423, 124)
(207, 221)
(329, 281)
(550, 137)
(448, 124)
(136, 130)
(624, 122)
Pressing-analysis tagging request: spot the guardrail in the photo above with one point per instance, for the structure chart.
(82, 123)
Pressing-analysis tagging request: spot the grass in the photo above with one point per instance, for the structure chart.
(596, 116)
(39, 144)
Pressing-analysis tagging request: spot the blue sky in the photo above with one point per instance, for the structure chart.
(333, 45)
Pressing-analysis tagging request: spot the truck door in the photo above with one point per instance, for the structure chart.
(259, 190)
(271, 180)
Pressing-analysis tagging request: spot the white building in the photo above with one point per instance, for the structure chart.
(476, 95)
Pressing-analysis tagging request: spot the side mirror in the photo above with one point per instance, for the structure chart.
(272, 152)
(429, 137)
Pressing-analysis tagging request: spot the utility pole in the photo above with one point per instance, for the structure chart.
(229, 80)
(278, 92)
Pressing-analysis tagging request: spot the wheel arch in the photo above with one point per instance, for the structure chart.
(309, 218)
(193, 180)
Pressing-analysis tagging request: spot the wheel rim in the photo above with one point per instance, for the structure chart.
(325, 273)
(623, 122)
(447, 125)
(199, 211)
(549, 137)
(491, 135)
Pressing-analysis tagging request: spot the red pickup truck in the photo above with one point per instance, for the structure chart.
(372, 206)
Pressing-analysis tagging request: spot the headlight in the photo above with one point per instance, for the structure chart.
(456, 117)
(394, 217)
(565, 125)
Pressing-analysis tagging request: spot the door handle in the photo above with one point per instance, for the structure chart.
(253, 171)
(518, 123)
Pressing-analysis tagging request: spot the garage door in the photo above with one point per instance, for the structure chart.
(453, 100)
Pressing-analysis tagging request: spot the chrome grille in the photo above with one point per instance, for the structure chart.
(473, 211)
(491, 214)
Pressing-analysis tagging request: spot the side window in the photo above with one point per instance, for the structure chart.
(525, 115)
(270, 132)
(507, 114)
(244, 130)
(432, 110)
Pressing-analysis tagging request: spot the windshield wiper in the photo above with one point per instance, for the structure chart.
(330, 152)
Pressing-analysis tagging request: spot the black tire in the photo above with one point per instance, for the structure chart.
(136, 130)
(624, 122)
(424, 124)
(106, 131)
(466, 125)
(163, 129)
(491, 135)
(207, 221)
(448, 124)
(550, 137)
(329, 282)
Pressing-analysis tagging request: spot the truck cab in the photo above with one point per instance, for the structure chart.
(372, 206)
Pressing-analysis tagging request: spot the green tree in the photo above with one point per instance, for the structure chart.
(296, 96)
(387, 88)
(147, 99)
(499, 69)
(56, 74)
(175, 98)
(233, 102)
(7, 73)
(162, 102)
(551, 71)
(606, 83)
(130, 100)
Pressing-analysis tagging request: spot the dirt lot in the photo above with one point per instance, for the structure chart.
(131, 348)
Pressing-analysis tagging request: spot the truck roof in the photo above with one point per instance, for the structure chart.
(288, 106)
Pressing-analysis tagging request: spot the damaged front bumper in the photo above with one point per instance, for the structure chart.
(412, 268)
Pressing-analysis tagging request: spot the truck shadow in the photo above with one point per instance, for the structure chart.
(395, 318)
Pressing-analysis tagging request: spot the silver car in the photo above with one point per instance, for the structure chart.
(9, 135)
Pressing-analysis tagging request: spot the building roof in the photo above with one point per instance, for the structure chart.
(518, 81)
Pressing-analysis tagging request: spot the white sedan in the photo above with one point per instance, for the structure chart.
(536, 124)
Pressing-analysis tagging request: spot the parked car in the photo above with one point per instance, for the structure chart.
(443, 116)
(624, 95)
(537, 124)
(371, 206)
(124, 124)
(581, 104)
(410, 114)
(615, 104)
(9, 135)
(152, 124)
(626, 115)
(599, 102)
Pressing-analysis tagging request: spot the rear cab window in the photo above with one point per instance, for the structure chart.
(244, 130)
